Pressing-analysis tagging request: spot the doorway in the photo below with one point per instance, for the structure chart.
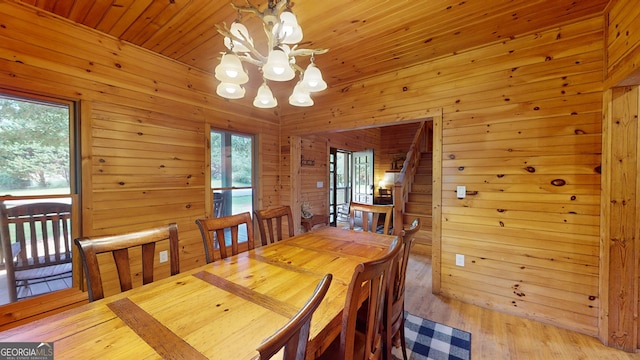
(350, 179)
(340, 162)
(362, 176)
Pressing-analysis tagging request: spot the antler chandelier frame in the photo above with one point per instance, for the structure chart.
(283, 34)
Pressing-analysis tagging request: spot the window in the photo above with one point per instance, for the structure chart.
(36, 166)
(232, 173)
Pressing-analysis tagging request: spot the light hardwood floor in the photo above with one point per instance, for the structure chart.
(496, 335)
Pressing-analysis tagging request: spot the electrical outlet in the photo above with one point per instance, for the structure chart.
(459, 260)
(164, 256)
(461, 191)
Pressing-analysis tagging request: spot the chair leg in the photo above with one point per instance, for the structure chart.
(403, 343)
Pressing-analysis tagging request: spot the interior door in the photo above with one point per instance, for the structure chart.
(362, 180)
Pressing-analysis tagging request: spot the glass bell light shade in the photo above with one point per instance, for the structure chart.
(312, 79)
(241, 32)
(288, 30)
(264, 99)
(230, 90)
(277, 67)
(230, 70)
(300, 97)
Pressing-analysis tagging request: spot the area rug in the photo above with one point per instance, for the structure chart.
(430, 340)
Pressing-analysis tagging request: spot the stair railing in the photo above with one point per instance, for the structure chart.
(402, 186)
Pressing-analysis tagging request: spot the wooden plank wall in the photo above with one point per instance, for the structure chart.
(144, 124)
(622, 43)
(522, 127)
(395, 141)
(619, 326)
(619, 253)
(384, 141)
(316, 147)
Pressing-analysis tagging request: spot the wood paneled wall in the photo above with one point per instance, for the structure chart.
(385, 142)
(622, 43)
(316, 148)
(619, 326)
(522, 127)
(619, 214)
(144, 124)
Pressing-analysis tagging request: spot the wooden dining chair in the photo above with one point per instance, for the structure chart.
(394, 308)
(273, 218)
(365, 211)
(38, 248)
(119, 246)
(369, 282)
(221, 233)
(294, 335)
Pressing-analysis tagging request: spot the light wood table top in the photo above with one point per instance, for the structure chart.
(221, 310)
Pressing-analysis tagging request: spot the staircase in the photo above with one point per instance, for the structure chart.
(419, 202)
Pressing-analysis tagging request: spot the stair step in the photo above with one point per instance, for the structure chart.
(424, 170)
(422, 179)
(425, 220)
(421, 188)
(418, 208)
(420, 197)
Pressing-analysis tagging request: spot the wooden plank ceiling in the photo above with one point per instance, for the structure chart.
(364, 37)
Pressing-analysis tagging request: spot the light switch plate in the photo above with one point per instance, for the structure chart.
(164, 256)
(462, 192)
(459, 260)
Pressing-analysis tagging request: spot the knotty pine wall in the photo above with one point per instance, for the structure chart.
(522, 127)
(144, 124)
(385, 142)
(316, 147)
(622, 43)
(620, 214)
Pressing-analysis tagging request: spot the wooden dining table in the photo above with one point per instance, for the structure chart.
(221, 310)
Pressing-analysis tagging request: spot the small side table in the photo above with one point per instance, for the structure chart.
(313, 221)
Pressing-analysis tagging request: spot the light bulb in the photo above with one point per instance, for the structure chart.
(277, 67)
(230, 70)
(312, 79)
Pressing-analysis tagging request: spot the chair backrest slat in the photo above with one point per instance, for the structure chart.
(375, 211)
(369, 282)
(119, 246)
(215, 231)
(394, 307)
(273, 218)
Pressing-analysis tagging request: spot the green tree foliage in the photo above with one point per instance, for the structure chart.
(238, 152)
(34, 143)
(241, 166)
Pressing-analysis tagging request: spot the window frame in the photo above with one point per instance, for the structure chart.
(75, 173)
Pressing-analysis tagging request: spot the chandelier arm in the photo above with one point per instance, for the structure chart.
(224, 31)
(306, 52)
(250, 60)
(250, 8)
(268, 31)
(298, 68)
